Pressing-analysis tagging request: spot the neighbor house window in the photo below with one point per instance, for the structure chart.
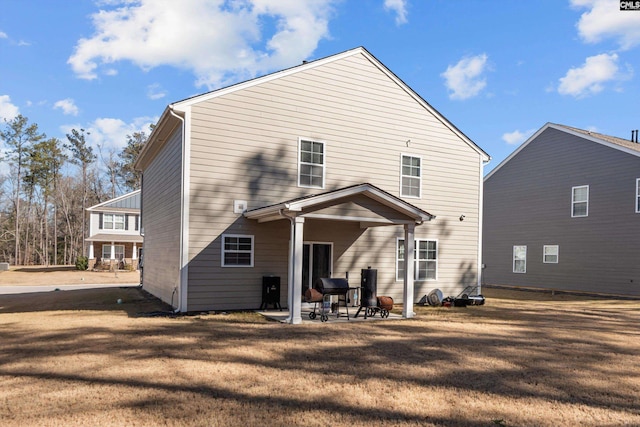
(410, 176)
(580, 201)
(425, 260)
(311, 164)
(550, 254)
(638, 195)
(112, 222)
(118, 252)
(519, 259)
(237, 250)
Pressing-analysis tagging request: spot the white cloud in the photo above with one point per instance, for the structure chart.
(109, 133)
(400, 9)
(3, 35)
(7, 110)
(220, 42)
(590, 77)
(154, 91)
(604, 19)
(516, 137)
(466, 78)
(67, 106)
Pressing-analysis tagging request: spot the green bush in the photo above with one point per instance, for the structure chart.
(82, 263)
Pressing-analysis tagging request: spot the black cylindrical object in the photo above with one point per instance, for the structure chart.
(270, 291)
(331, 286)
(369, 284)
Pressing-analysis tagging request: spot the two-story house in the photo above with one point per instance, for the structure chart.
(319, 170)
(563, 212)
(114, 233)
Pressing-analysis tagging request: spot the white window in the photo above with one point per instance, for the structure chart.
(580, 201)
(113, 222)
(410, 176)
(311, 164)
(237, 250)
(638, 195)
(550, 254)
(118, 252)
(519, 259)
(425, 260)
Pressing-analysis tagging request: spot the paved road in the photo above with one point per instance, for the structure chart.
(7, 290)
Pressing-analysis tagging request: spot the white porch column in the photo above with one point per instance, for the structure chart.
(295, 294)
(113, 250)
(134, 255)
(409, 273)
(91, 256)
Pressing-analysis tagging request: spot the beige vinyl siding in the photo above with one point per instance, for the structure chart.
(244, 146)
(161, 220)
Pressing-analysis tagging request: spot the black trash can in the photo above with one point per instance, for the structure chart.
(270, 292)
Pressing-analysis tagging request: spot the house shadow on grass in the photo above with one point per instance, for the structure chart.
(135, 301)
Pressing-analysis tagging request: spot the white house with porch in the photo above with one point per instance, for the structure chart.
(114, 233)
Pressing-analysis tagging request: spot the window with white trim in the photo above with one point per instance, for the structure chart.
(580, 201)
(311, 163)
(410, 176)
(118, 252)
(237, 250)
(638, 195)
(113, 222)
(519, 259)
(550, 254)
(425, 260)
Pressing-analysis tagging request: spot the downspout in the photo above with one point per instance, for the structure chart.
(483, 163)
(182, 214)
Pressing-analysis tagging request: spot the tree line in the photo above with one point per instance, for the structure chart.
(46, 185)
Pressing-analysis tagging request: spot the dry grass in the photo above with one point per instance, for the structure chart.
(523, 359)
(64, 275)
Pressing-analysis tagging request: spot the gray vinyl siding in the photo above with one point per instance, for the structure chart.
(244, 146)
(528, 202)
(161, 218)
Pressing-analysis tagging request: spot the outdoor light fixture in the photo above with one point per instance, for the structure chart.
(462, 217)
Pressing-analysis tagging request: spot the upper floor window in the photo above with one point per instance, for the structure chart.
(425, 260)
(311, 163)
(113, 222)
(550, 254)
(410, 176)
(638, 195)
(237, 250)
(580, 201)
(519, 259)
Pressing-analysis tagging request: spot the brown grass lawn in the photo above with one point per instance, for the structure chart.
(77, 358)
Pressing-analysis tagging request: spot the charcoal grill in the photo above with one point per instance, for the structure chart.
(327, 286)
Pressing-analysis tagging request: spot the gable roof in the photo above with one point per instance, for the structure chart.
(180, 106)
(126, 202)
(614, 142)
(299, 204)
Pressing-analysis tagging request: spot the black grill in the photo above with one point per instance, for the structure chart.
(332, 286)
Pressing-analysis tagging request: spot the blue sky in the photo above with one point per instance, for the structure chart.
(497, 69)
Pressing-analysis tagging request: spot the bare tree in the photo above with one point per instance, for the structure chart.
(83, 156)
(132, 178)
(18, 136)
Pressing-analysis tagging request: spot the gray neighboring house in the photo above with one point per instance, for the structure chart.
(319, 170)
(563, 212)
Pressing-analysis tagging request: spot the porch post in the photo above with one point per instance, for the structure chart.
(295, 282)
(409, 271)
(134, 255)
(91, 250)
